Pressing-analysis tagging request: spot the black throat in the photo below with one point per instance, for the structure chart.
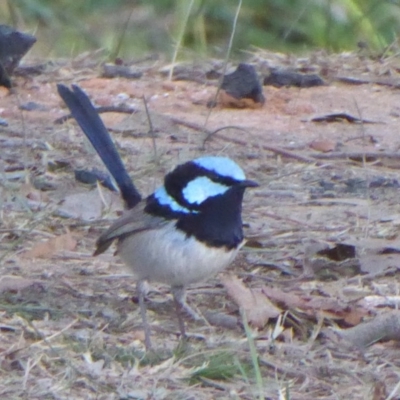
(217, 222)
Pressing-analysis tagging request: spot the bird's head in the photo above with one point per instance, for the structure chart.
(194, 185)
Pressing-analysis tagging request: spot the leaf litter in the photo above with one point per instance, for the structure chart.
(70, 324)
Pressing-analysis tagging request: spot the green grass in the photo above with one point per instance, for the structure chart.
(203, 27)
(221, 365)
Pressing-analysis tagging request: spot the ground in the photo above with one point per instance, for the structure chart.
(69, 323)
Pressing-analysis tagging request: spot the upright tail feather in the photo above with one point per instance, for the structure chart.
(93, 127)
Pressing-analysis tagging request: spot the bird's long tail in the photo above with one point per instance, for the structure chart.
(93, 127)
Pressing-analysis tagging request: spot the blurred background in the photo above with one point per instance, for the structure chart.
(133, 28)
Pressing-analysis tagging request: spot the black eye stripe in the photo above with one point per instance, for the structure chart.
(224, 180)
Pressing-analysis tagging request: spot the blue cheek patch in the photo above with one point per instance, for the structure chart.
(164, 199)
(223, 166)
(201, 188)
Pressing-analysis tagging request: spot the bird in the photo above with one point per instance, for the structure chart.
(186, 231)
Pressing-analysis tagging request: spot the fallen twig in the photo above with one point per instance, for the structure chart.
(119, 109)
(382, 328)
(360, 155)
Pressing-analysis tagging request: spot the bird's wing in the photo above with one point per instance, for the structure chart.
(131, 222)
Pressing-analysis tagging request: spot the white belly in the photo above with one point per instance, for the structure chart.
(167, 256)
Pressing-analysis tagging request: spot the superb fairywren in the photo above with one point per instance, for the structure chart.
(186, 231)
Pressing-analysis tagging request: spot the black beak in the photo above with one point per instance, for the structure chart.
(248, 183)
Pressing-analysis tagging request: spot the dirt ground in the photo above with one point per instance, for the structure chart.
(320, 326)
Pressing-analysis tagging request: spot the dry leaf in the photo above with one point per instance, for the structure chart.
(51, 246)
(379, 391)
(355, 316)
(324, 145)
(253, 301)
(326, 304)
(290, 300)
(329, 307)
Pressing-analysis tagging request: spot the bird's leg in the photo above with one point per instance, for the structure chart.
(141, 290)
(179, 294)
(181, 322)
